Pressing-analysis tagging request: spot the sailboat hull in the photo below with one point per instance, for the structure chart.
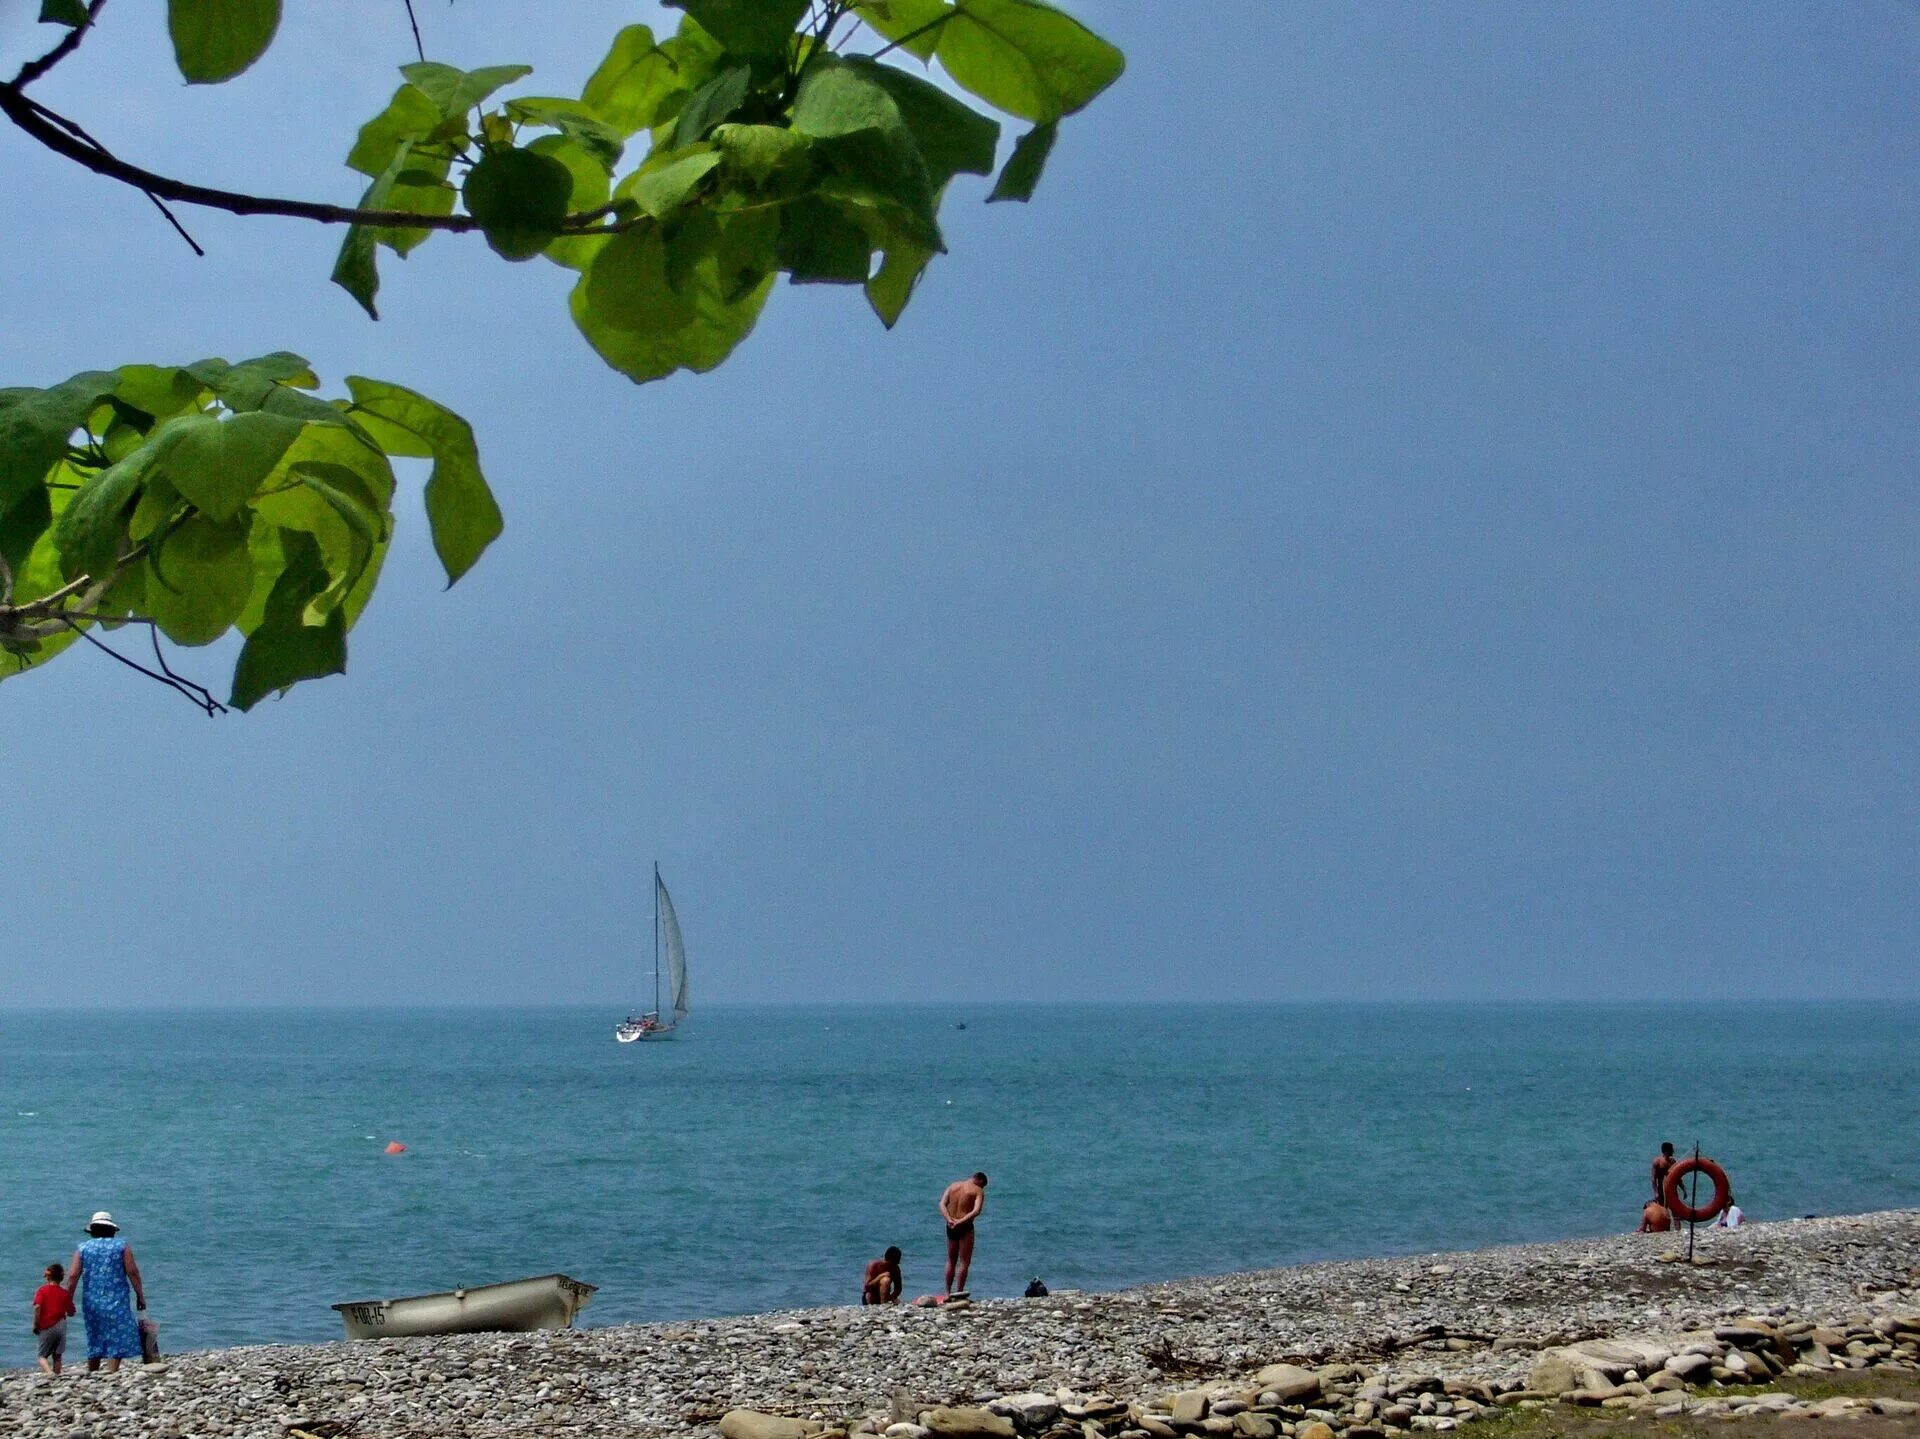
(635, 1031)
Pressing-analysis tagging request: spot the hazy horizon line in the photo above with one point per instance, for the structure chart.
(356, 1006)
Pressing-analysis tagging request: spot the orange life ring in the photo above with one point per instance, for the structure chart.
(1686, 1213)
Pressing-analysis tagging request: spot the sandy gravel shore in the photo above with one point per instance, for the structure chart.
(1478, 1316)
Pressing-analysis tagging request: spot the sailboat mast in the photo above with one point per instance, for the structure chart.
(656, 936)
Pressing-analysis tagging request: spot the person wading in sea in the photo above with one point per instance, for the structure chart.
(960, 1206)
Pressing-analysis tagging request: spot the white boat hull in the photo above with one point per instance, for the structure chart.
(547, 1301)
(632, 1032)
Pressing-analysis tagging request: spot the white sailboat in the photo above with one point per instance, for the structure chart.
(656, 1023)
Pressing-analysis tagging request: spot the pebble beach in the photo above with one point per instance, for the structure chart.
(1369, 1349)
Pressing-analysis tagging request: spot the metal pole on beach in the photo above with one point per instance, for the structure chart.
(1693, 1196)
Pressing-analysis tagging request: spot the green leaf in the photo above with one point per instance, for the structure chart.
(218, 464)
(454, 91)
(22, 525)
(251, 383)
(1026, 58)
(914, 25)
(520, 199)
(159, 503)
(636, 76)
(89, 531)
(576, 120)
(329, 503)
(747, 27)
(819, 244)
(628, 289)
(199, 578)
(759, 152)
(647, 328)
(63, 12)
(158, 391)
(355, 271)
(713, 102)
(1029, 158)
(953, 138)
(35, 426)
(409, 115)
(419, 191)
(862, 135)
(285, 649)
(660, 189)
(214, 40)
(591, 190)
(893, 284)
(460, 508)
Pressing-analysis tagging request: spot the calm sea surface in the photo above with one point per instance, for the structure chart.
(758, 1161)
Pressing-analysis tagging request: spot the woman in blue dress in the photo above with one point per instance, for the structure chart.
(112, 1292)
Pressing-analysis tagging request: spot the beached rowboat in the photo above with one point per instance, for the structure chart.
(547, 1301)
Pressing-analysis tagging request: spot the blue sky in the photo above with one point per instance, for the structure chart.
(1420, 506)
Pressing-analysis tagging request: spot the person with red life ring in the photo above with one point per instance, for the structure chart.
(1676, 1194)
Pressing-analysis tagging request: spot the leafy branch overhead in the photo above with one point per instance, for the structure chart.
(208, 497)
(691, 171)
(766, 151)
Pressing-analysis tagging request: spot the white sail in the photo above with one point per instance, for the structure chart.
(676, 952)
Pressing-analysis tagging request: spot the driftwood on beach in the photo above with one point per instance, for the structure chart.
(1364, 1349)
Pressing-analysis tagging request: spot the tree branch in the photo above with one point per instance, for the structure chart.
(57, 133)
(199, 694)
(69, 42)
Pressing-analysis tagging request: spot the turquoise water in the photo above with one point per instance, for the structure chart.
(760, 1159)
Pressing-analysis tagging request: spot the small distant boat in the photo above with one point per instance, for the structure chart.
(666, 928)
(547, 1301)
(960, 1024)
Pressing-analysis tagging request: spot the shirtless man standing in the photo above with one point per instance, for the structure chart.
(1662, 1162)
(960, 1206)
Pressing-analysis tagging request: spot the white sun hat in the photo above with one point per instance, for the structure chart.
(102, 1217)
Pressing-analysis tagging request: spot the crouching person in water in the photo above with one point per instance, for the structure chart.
(883, 1284)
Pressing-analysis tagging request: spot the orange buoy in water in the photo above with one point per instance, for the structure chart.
(394, 1146)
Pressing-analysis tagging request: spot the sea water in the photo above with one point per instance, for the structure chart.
(762, 1157)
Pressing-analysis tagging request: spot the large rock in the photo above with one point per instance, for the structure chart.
(963, 1421)
(1289, 1381)
(751, 1424)
(1688, 1365)
(1190, 1407)
(1315, 1430)
(1553, 1373)
(1029, 1411)
(1612, 1358)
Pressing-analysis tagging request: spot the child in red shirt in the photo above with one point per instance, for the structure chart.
(51, 1306)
